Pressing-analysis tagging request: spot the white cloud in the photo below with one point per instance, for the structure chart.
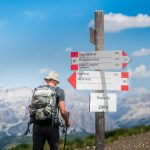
(140, 72)
(117, 22)
(3, 24)
(136, 91)
(139, 91)
(68, 49)
(34, 15)
(91, 24)
(141, 52)
(43, 70)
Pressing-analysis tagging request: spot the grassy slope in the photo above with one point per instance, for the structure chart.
(90, 140)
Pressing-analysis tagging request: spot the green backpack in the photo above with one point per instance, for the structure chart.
(44, 105)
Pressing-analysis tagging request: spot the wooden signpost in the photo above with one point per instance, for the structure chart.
(89, 75)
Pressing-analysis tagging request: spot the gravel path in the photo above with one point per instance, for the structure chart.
(135, 142)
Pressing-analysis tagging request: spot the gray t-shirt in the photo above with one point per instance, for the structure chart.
(60, 96)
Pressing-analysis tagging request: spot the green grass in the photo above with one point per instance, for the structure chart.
(22, 147)
(124, 132)
(89, 141)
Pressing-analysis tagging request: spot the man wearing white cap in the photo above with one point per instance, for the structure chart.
(45, 129)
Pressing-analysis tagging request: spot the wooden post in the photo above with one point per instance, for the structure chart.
(99, 46)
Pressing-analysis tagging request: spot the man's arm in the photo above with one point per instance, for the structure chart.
(64, 113)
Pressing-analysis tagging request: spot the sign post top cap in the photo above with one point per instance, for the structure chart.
(99, 11)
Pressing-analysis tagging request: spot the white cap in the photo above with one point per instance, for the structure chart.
(52, 75)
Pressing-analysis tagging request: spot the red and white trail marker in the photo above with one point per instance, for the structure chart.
(99, 60)
(93, 80)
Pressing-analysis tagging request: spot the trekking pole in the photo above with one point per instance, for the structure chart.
(65, 133)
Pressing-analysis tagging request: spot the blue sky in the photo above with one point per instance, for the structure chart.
(37, 36)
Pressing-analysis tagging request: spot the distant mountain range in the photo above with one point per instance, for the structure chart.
(133, 109)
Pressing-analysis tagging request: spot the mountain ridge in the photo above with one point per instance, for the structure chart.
(14, 110)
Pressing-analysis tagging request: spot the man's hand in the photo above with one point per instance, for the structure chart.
(67, 124)
(30, 109)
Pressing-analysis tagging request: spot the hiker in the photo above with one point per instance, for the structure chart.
(45, 121)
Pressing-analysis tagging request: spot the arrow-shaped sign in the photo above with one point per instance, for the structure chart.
(99, 60)
(93, 80)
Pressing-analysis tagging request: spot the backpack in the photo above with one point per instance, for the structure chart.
(44, 105)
